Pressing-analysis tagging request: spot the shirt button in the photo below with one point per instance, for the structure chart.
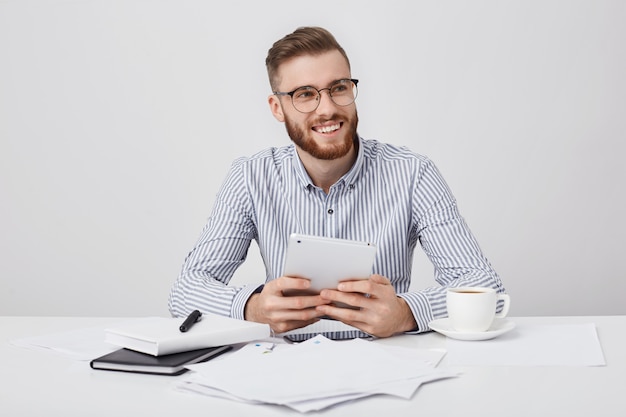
(331, 211)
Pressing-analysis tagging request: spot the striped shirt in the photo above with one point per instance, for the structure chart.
(391, 197)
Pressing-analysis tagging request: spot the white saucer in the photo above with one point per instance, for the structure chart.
(499, 327)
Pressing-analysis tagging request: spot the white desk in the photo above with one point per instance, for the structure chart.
(34, 383)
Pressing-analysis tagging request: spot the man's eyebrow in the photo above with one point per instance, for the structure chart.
(331, 83)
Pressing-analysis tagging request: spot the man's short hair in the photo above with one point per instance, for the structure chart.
(303, 41)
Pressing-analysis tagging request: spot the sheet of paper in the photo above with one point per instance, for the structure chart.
(315, 374)
(81, 344)
(532, 345)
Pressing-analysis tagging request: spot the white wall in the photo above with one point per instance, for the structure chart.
(119, 119)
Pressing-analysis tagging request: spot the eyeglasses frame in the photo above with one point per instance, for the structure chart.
(319, 92)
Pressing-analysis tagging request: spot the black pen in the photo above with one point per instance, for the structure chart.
(190, 320)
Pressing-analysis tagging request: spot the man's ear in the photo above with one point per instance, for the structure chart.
(276, 107)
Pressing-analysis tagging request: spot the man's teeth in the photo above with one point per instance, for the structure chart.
(327, 129)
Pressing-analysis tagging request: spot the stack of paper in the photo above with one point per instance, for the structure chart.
(314, 374)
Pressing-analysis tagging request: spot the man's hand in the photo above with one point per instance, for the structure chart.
(284, 313)
(380, 313)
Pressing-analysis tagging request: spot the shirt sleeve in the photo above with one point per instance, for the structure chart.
(449, 244)
(222, 247)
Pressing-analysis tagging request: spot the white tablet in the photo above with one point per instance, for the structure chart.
(327, 261)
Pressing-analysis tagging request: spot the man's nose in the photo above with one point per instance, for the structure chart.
(326, 103)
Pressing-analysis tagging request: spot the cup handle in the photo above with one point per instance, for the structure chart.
(505, 307)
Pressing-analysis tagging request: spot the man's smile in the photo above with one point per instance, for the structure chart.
(327, 128)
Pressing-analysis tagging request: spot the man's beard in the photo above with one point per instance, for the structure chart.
(303, 139)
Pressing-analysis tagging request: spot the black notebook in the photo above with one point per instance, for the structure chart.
(174, 364)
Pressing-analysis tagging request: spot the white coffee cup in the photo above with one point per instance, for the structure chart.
(473, 309)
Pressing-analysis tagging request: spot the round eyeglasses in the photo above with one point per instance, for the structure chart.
(306, 99)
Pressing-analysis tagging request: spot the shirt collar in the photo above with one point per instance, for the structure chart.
(348, 178)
